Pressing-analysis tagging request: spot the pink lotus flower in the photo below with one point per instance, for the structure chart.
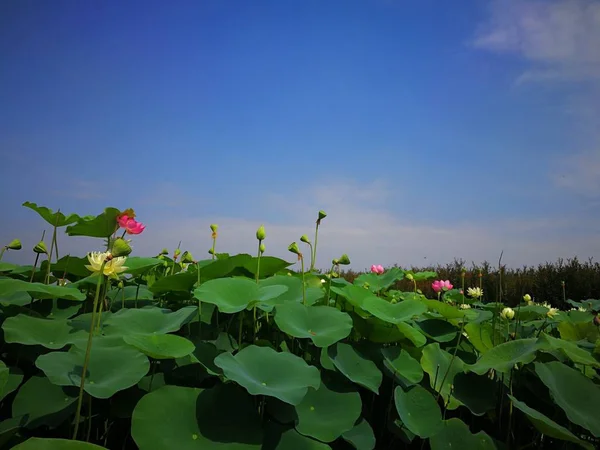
(131, 225)
(377, 269)
(441, 285)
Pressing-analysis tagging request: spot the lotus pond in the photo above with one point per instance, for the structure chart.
(249, 352)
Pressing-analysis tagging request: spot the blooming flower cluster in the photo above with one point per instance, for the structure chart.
(475, 292)
(441, 285)
(378, 269)
(126, 220)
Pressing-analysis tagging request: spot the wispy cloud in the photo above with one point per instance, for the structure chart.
(365, 229)
(558, 38)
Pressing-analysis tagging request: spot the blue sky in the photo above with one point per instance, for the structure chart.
(427, 130)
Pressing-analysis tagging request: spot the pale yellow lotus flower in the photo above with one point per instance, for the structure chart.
(552, 312)
(507, 313)
(465, 306)
(111, 269)
(475, 292)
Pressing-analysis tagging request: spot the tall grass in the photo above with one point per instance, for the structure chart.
(543, 282)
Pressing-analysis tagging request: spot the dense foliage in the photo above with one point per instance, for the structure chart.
(243, 352)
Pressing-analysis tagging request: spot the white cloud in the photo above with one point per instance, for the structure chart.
(560, 39)
(364, 229)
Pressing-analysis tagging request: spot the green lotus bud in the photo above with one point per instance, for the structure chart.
(527, 297)
(120, 285)
(409, 276)
(164, 251)
(214, 227)
(304, 238)
(15, 244)
(260, 233)
(262, 248)
(120, 247)
(176, 253)
(41, 248)
(187, 258)
(322, 215)
(294, 249)
(344, 260)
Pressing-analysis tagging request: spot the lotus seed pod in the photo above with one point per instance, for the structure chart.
(304, 238)
(164, 251)
(214, 227)
(344, 260)
(41, 248)
(177, 253)
(187, 258)
(120, 247)
(294, 248)
(15, 244)
(322, 215)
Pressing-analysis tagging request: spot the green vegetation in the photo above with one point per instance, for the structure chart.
(242, 352)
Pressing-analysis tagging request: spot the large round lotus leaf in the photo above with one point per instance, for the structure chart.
(111, 368)
(293, 294)
(280, 438)
(269, 265)
(547, 426)
(436, 362)
(476, 392)
(503, 357)
(482, 336)
(56, 444)
(399, 362)
(322, 324)
(149, 320)
(418, 410)
(161, 346)
(52, 334)
(137, 265)
(570, 349)
(438, 330)
(455, 434)
(43, 403)
(412, 334)
(361, 436)
(378, 282)
(206, 353)
(181, 282)
(393, 312)
(355, 366)
(576, 394)
(183, 418)
(355, 295)
(264, 371)
(9, 286)
(232, 295)
(130, 294)
(10, 379)
(326, 414)
(444, 309)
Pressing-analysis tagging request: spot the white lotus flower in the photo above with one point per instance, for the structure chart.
(507, 313)
(465, 306)
(111, 269)
(475, 292)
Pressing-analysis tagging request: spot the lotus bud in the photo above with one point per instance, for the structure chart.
(322, 215)
(176, 253)
(261, 233)
(597, 321)
(15, 244)
(187, 258)
(507, 313)
(120, 247)
(262, 248)
(41, 248)
(294, 249)
(304, 238)
(409, 276)
(344, 260)
(527, 298)
(120, 285)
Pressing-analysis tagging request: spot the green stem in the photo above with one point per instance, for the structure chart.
(303, 286)
(199, 305)
(2, 252)
(313, 260)
(329, 285)
(241, 316)
(213, 247)
(52, 245)
(462, 327)
(88, 351)
(254, 330)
